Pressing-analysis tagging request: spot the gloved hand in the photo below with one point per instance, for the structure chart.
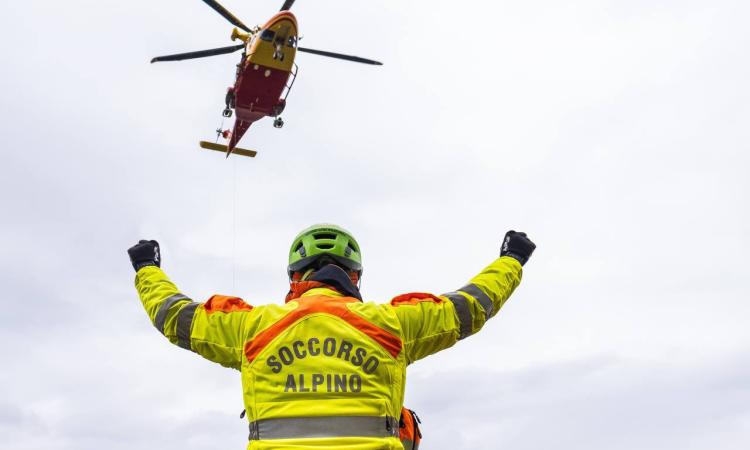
(145, 253)
(518, 246)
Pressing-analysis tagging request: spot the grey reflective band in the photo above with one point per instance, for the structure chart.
(409, 444)
(161, 315)
(324, 427)
(484, 299)
(184, 323)
(464, 314)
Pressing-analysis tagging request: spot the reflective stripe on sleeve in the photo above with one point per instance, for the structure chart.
(464, 314)
(184, 323)
(323, 427)
(409, 444)
(484, 299)
(161, 315)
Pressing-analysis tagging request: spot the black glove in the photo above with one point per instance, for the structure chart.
(518, 246)
(145, 253)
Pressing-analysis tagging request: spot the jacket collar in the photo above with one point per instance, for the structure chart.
(299, 289)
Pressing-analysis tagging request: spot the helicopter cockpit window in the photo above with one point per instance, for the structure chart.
(267, 35)
(292, 42)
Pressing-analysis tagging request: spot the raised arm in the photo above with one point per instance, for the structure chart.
(214, 329)
(432, 323)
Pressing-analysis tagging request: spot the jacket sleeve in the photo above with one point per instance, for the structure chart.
(215, 329)
(432, 323)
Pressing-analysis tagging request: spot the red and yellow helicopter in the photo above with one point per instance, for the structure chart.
(265, 73)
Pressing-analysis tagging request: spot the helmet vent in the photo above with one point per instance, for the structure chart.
(324, 243)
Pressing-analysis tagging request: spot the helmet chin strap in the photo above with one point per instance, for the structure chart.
(307, 274)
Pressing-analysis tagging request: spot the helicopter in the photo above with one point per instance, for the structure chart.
(264, 76)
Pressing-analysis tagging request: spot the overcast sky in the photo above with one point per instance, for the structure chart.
(615, 133)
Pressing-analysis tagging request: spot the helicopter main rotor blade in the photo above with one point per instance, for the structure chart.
(227, 15)
(199, 54)
(340, 56)
(287, 5)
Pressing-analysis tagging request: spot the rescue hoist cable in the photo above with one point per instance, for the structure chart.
(234, 221)
(234, 208)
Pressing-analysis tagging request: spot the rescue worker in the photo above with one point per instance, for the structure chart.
(325, 370)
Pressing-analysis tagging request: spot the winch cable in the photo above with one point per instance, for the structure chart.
(234, 222)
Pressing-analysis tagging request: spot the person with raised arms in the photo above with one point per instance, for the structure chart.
(326, 369)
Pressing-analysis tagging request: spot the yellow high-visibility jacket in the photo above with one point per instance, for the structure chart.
(325, 370)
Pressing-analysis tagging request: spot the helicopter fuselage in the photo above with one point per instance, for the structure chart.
(264, 72)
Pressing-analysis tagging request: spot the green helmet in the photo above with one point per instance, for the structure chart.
(324, 241)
